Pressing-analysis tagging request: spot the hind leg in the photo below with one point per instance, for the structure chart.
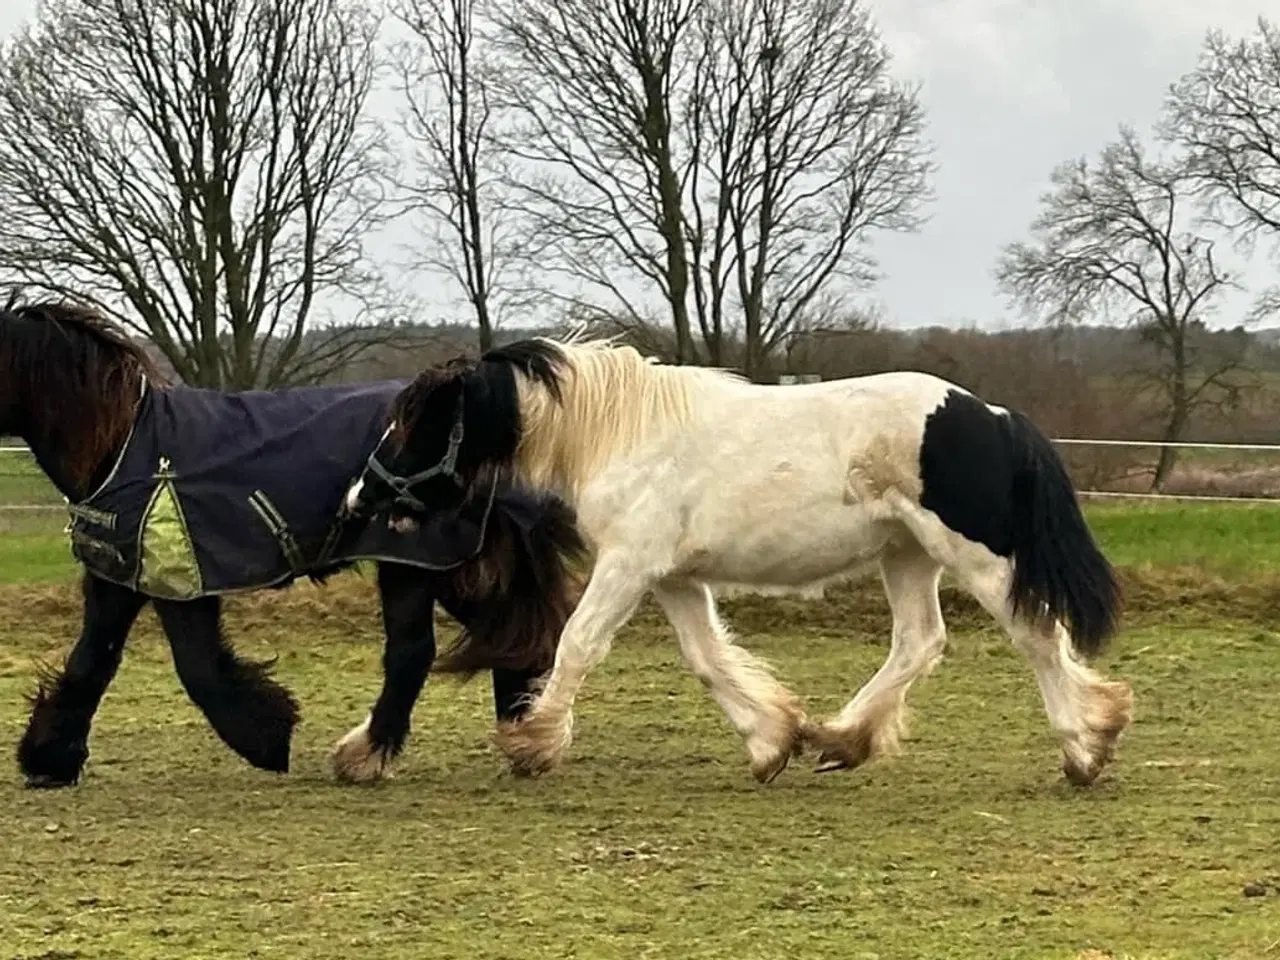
(365, 754)
(761, 709)
(872, 722)
(54, 748)
(1087, 712)
(252, 713)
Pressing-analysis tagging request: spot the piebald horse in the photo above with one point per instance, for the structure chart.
(685, 478)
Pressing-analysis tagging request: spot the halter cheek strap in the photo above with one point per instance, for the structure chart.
(447, 467)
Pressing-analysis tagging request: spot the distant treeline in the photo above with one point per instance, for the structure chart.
(1080, 381)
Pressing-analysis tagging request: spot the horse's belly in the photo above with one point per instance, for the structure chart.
(785, 548)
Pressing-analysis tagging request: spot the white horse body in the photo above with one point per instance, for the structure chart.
(774, 502)
(685, 477)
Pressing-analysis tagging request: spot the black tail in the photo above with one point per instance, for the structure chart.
(1058, 570)
(513, 599)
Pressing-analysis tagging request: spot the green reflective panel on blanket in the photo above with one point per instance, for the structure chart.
(168, 567)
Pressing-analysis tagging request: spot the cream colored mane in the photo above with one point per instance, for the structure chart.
(614, 400)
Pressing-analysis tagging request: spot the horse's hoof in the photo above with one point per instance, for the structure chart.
(535, 745)
(766, 773)
(355, 759)
(529, 766)
(766, 769)
(832, 763)
(839, 748)
(44, 781)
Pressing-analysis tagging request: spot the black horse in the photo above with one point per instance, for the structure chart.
(179, 496)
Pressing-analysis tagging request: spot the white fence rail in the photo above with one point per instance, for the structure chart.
(1176, 445)
(1064, 441)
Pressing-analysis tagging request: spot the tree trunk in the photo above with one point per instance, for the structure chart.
(673, 233)
(1179, 410)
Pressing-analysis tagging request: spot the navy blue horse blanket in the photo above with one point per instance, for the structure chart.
(223, 492)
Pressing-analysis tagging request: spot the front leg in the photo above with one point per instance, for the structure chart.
(54, 748)
(513, 691)
(539, 741)
(408, 608)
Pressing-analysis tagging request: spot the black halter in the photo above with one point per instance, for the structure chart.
(447, 467)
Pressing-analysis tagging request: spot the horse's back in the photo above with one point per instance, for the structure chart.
(332, 429)
(916, 389)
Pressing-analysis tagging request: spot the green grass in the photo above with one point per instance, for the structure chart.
(33, 548)
(653, 842)
(35, 558)
(1226, 539)
(21, 480)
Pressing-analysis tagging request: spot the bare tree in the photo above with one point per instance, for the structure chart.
(588, 84)
(733, 157)
(204, 170)
(449, 119)
(1225, 117)
(1110, 238)
(801, 146)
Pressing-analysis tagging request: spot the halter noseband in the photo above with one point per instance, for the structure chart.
(447, 467)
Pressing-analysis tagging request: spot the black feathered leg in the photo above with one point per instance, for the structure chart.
(54, 748)
(252, 713)
(408, 611)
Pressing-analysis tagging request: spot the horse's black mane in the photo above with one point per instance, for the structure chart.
(485, 388)
(542, 361)
(57, 326)
(78, 375)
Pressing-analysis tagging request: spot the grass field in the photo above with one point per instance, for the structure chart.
(654, 842)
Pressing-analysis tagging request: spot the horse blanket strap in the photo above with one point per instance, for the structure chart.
(218, 493)
(99, 518)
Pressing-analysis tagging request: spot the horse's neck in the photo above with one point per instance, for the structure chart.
(51, 456)
(55, 446)
(573, 443)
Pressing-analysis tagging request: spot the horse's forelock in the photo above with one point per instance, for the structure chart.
(422, 395)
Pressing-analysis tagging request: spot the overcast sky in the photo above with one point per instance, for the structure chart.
(1011, 88)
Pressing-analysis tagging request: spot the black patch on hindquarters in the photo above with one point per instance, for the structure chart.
(966, 467)
(997, 480)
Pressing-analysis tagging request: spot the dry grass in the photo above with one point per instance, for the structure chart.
(654, 841)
